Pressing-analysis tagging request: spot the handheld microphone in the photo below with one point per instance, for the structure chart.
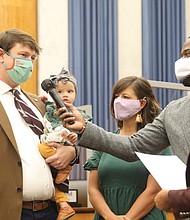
(49, 87)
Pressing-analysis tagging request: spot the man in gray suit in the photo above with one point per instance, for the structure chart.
(171, 127)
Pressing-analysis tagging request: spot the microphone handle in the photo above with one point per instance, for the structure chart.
(58, 101)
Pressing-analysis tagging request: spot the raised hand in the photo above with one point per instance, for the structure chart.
(72, 115)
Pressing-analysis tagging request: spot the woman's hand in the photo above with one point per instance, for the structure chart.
(118, 217)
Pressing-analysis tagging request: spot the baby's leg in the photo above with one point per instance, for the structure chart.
(45, 150)
(65, 210)
(63, 174)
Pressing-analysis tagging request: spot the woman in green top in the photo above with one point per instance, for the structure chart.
(119, 189)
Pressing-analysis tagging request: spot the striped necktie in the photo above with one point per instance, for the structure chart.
(28, 115)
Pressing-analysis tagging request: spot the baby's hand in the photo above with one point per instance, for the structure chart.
(72, 137)
(43, 98)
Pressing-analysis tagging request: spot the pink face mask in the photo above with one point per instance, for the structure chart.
(125, 108)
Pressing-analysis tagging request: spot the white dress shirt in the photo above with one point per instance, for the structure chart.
(37, 178)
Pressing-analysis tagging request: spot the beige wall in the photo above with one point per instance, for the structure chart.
(53, 37)
(187, 12)
(130, 43)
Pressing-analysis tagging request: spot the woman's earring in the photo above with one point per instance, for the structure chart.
(139, 119)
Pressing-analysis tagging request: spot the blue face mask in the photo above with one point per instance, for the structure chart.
(21, 70)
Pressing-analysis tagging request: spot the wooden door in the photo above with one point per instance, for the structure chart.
(21, 14)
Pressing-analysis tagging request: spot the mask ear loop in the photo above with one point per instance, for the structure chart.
(8, 54)
(11, 66)
(143, 99)
(4, 65)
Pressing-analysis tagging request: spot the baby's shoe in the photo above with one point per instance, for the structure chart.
(65, 212)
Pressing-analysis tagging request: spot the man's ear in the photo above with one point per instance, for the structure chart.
(2, 52)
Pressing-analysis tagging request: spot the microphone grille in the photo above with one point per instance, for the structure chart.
(47, 85)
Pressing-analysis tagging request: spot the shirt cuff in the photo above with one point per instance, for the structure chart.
(76, 159)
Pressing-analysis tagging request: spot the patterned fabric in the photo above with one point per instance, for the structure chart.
(27, 114)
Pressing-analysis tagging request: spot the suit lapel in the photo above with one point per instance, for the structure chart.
(36, 101)
(188, 172)
(5, 124)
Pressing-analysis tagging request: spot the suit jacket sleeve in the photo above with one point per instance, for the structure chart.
(152, 139)
(179, 201)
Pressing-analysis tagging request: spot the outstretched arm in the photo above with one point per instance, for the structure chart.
(151, 139)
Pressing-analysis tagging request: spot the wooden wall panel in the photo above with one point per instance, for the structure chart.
(21, 14)
(170, 216)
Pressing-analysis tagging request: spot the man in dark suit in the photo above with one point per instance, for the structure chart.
(177, 201)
